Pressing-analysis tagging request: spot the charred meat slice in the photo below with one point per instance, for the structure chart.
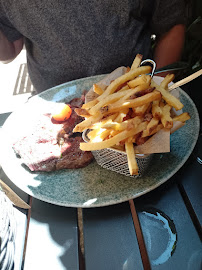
(51, 145)
(72, 156)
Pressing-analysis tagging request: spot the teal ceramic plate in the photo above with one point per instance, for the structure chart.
(91, 186)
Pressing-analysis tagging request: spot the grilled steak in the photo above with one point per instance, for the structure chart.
(52, 145)
(72, 157)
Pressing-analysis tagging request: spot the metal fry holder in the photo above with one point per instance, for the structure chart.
(116, 160)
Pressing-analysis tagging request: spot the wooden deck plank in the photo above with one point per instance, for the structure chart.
(164, 218)
(52, 241)
(110, 239)
(191, 180)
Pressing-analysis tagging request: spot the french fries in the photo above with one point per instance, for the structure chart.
(114, 140)
(97, 89)
(133, 73)
(116, 96)
(90, 104)
(132, 162)
(182, 117)
(166, 119)
(141, 109)
(170, 99)
(139, 80)
(169, 78)
(137, 61)
(88, 122)
(130, 110)
(156, 109)
(155, 95)
(150, 127)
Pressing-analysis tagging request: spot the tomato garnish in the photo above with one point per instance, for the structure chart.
(62, 114)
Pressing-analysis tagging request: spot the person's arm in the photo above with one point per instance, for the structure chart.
(169, 47)
(9, 50)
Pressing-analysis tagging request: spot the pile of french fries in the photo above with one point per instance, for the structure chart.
(128, 112)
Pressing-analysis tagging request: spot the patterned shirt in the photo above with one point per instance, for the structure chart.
(67, 40)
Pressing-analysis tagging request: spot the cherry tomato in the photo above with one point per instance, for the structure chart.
(63, 113)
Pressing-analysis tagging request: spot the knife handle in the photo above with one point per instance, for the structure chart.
(13, 197)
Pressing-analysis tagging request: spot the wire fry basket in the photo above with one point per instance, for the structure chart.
(113, 159)
(116, 160)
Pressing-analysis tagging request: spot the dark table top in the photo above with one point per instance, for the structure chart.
(159, 230)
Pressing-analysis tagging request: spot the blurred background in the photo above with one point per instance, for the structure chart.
(192, 53)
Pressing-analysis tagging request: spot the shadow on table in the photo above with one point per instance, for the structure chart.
(56, 229)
